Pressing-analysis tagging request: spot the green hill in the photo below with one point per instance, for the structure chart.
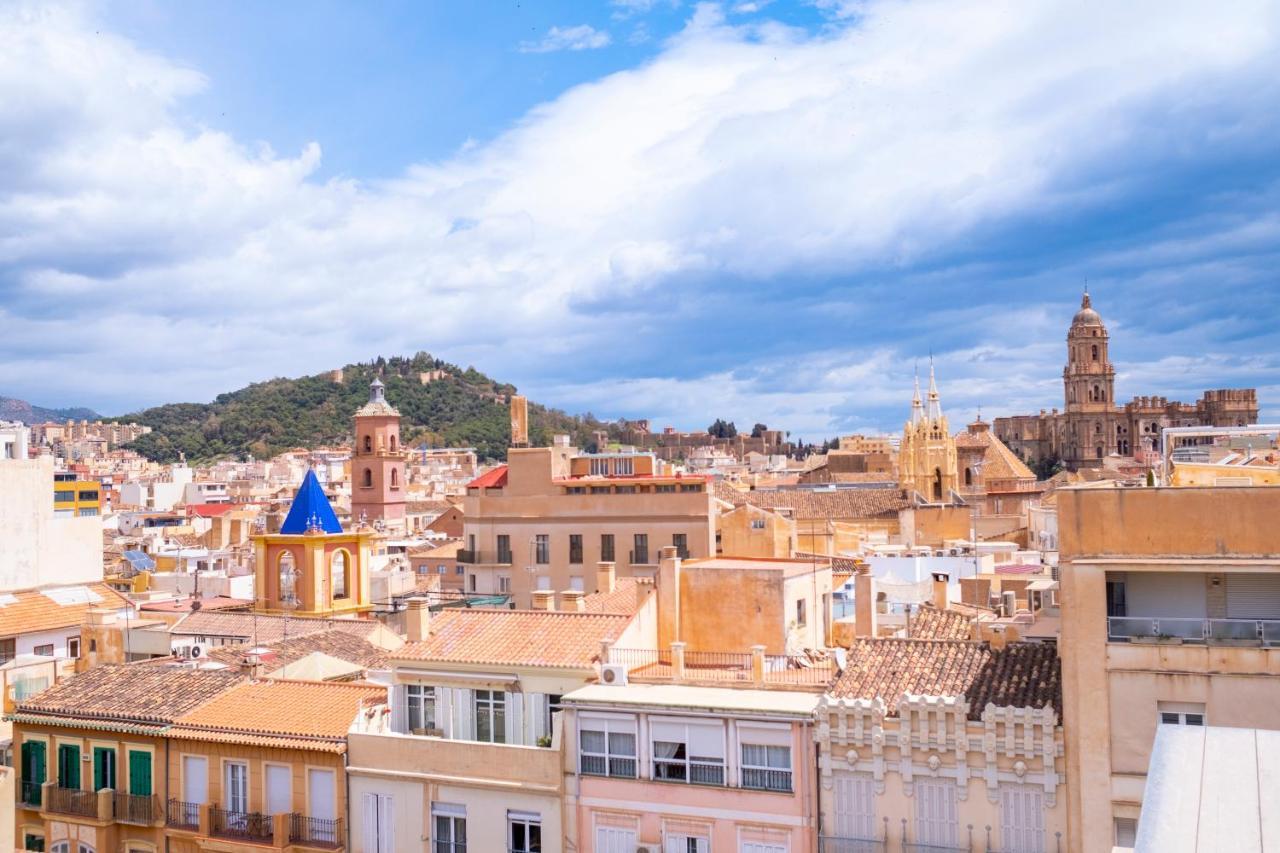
(12, 409)
(463, 409)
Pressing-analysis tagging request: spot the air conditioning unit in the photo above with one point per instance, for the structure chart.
(195, 652)
(613, 673)
(645, 848)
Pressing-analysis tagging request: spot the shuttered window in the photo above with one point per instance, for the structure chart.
(1022, 819)
(937, 822)
(68, 766)
(139, 773)
(1253, 596)
(610, 839)
(377, 824)
(104, 768)
(856, 807)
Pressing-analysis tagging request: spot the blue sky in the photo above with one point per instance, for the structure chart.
(763, 211)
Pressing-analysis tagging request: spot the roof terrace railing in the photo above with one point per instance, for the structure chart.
(1262, 632)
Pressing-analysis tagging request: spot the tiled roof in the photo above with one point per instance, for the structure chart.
(497, 478)
(288, 714)
(339, 644)
(131, 692)
(998, 461)
(516, 638)
(1020, 675)
(624, 598)
(833, 504)
(38, 609)
(930, 623)
(267, 629)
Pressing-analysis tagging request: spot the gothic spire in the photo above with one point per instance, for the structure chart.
(917, 407)
(935, 402)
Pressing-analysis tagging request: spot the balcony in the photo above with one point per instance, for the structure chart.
(766, 779)
(252, 827)
(695, 772)
(70, 801)
(314, 831)
(1176, 630)
(29, 794)
(838, 844)
(478, 557)
(134, 808)
(183, 815)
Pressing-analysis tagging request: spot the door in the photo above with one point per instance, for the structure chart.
(68, 766)
(279, 789)
(104, 768)
(856, 807)
(139, 773)
(610, 839)
(236, 787)
(195, 779)
(322, 804)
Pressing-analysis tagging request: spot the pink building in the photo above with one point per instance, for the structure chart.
(680, 768)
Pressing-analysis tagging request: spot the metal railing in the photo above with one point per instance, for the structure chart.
(247, 826)
(136, 808)
(183, 815)
(467, 556)
(619, 767)
(766, 779)
(1264, 632)
(72, 801)
(640, 658)
(639, 558)
(29, 793)
(836, 844)
(314, 831)
(696, 772)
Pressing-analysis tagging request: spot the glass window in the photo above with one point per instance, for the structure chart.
(524, 832)
(491, 716)
(421, 711)
(45, 650)
(575, 547)
(338, 570)
(664, 488)
(449, 825)
(104, 768)
(690, 487)
(800, 611)
(504, 548)
(688, 752)
(681, 541)
(640, 551)
(73, 647)
(68, 766)
(606, 547)
(765, 767)
(542, 549)
(236, 786)
(61, 496)
(607, 747)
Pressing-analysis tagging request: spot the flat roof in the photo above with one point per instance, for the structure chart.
(688, 697)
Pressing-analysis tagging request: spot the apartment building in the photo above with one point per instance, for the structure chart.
(547, 517)
(1171, 617)
(74, 496)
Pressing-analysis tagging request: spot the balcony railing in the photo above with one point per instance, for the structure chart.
(467, 556)
(72, 801)
(315, 831)
(834, 844)
(183, 815)
(766, 779)
(697, 772)
(619, 767)
(134, 808)
(639, 558)
(1265, 632)
(29, 793)
(475, 556)
(244, 826)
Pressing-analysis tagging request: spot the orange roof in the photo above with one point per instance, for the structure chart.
(516, 638)
(625, 597)
(495, 479)
(38, 610)
(288, 714)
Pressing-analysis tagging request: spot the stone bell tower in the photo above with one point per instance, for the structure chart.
(377, 463)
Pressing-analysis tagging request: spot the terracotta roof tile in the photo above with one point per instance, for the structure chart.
(339, 644)
(1020, 675)
(39, 610)
(132, 692)
(516, 638)
(291, 714)
(834, 504)
(930, 623)
(497, 478)
(624, 598)
(267, 629)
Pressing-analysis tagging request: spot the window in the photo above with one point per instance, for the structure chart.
(1095, 352)
(33, 771)
(420, 707)
(524, 832)
(449, 823)
(688, 487)
(936, 820)
(855, 797)
(504, 548)
(368, 444)
(367, 482)
(288, 577)
(378, 813)
(599, 467)
(104, 768)
(624, 467)
(504, 584)
(688, 752)
(665, 488)
(45, 650)
(87, 495)
(68, 766)
(610, 839)
(491, 716)
(88, 512)
(606, 547)
(31, 841)
(640, 553)
(279, 784)
(473, 582)
(766, 767)
(1181, 713)
(800, 611)
(757, 524)
(195, 779)
(395, 479)
(542, 549)
(235, 788)
(684, 843)
(442, 569)
(607, 747)
(681, 542)
(1126, 830)
(575, 547)
(575, 490)
(61, 496)
(600, 490)
(1022, 819)
(139, 773)
(624, 490)
(338, 572)
(462, 570)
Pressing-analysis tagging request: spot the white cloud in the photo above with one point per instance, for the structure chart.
(739, 153)
(581, 37)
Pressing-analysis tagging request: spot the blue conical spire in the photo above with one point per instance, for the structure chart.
(310, 509)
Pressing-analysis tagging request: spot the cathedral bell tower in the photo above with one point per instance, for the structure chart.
(377, 464)
(927, 457)
(1088, 378)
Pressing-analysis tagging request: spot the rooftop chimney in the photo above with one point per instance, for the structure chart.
(864, 605)
(573, 601)
(519, 421)
(605, 576)
(417, 620)
(543, 599)
(940, 590)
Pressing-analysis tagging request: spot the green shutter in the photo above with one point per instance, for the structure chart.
(104, 768)
(139, 773)
(68, 766)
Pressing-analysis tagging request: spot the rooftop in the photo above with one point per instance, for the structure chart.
(156, 694)
(32, 611)
(342, 645)
(820, 503)
(495, 479)
(310, 509)
(266, 629)
(930, 623)
(727, 699)
(516, 638)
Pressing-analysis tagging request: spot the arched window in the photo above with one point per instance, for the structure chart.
(368, 478)
(288, 577)
(1099, 451)
(338, 573)
(968, 476)
(1095, 352)
(393, 444)
(395, 479)
(937, 484)
(368, 444)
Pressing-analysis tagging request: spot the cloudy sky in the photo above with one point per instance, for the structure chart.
(765, 211)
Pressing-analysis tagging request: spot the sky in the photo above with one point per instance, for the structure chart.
(763, 211)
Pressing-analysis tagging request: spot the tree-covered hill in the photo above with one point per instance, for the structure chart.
(464, 408)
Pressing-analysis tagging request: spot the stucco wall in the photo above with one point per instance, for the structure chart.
(37, 549)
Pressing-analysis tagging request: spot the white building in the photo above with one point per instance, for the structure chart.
(38, 548)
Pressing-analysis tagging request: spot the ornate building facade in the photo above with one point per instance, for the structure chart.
(1092, 426)
(927, 457)
(377, 463)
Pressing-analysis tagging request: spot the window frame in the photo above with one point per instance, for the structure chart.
(490, 705)
(529, 821)
(425, 697)
(609, 726)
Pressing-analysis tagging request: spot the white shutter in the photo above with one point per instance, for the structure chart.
(386, 824)
(279, 789)
(513, 719)
(369, 824)
(444, 711)
(464, 714)
(400, 709)
(1253, 596)
(613, 840)
(664, 731)
(706, 741)
(195, 779)
(856, 807)
(537, 715)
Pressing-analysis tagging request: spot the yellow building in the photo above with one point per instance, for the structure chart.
(751, 531)
(73, 496)
(927, 458)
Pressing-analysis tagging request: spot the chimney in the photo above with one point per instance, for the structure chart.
(605, 577)
(573, 601)
(519, 421)
(668, 586)
(543, 599)
(252, 663)
(940, 590)
(864, 610)
(417, 620)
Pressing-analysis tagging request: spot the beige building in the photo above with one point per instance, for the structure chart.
(546, 518)
(751, 531)
(1171, 617)
(927, 457)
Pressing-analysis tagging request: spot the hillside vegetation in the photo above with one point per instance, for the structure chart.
(463, 409)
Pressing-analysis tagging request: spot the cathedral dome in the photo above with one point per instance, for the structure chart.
(1086, 316)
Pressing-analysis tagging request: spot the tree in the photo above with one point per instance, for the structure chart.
(758, 430)
(722, 429)
(1046, 466)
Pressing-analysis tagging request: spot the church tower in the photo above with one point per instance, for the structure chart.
(377, 464)
(1088, 377)
(927, 456)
